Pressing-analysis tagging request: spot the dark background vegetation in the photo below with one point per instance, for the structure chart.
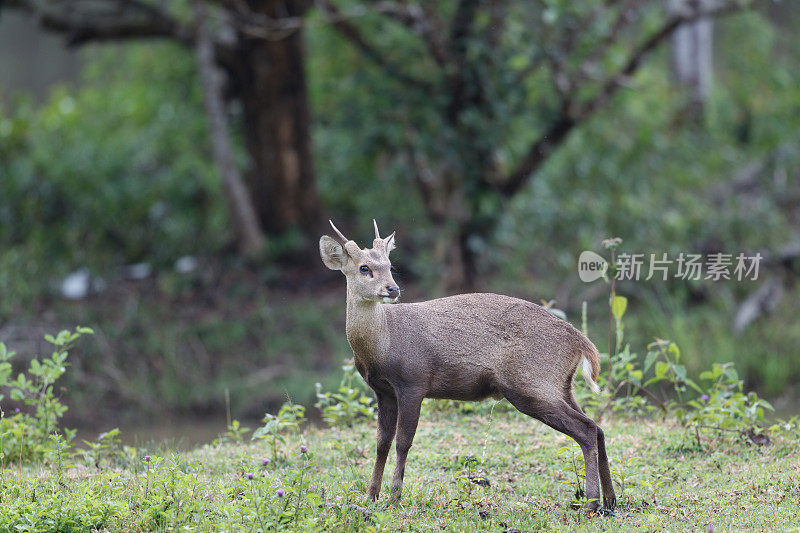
(498, 138)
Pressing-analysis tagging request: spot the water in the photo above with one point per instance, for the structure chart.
(180, 435)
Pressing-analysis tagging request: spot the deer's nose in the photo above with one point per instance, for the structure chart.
(393, 291)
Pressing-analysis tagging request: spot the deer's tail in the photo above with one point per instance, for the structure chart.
(591, 362)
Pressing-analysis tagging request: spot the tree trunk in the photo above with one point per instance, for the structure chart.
(249, 236)
(457, 260)
(692, 57)
(272, 88)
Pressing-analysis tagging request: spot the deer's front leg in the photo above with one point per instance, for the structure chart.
(387, 422)
(408, 405)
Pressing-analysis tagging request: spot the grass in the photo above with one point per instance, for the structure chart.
(670, 484)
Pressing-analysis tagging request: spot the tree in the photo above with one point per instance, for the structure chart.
(261, 59)
(692, 57)
(482, 113)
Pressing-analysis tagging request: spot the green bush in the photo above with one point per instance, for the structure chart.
(25, 436)
(108, 174)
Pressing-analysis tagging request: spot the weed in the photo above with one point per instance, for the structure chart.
(288, 420)
(348, 404)
(234, 434)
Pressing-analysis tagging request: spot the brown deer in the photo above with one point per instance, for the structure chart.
(465, 347)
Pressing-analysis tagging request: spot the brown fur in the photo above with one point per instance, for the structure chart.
(465, 347)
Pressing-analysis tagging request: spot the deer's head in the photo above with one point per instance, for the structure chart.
(368, 271)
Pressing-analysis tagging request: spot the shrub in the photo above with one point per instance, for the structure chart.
(25, 436)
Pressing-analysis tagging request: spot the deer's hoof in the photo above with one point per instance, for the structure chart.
(603, 511)
(610, 502)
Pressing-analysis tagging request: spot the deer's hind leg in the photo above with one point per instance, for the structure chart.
(609, 498)
(561, 416)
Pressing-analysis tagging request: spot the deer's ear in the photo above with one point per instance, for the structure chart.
(390, 243)
(333, 254)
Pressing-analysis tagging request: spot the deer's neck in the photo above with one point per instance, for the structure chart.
(366, 329)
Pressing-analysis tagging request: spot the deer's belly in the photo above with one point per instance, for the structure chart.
(458, 384)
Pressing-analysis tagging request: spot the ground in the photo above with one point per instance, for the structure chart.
(666, 481)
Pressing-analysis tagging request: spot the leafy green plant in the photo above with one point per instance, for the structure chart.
(105, 451)
(660, 382)
(725, 406)
(26, 435)
(347, 404)
(467, 479)
(574, 469)
(623, 473)
(235, 433)
(715, 401)
(288, 420)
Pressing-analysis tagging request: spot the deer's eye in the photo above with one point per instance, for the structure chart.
(365, 269)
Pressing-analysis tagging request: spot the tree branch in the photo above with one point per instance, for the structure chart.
(353, 34)
(423, 21)
(624, 17)
(634, 61)
(83, 22)
(538, 152)
(569, 116)
(462, 85)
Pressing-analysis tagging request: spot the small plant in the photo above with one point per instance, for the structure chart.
(347, 404)
(654, 484)
(281, 503)
(574, 469)
(235, 433)
(25, 436)
(105, 451)
(288, 420)
(623, 473)
(724, 406)
(467, 479)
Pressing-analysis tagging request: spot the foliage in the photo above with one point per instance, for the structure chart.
(235, 433)
(288, 420)
(106, 451)
(715, 401)
(348, 403)
(467, 480)
(48, 510)
(108, 174)
(25, 436)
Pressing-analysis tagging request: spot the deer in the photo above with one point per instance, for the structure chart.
(465, 347)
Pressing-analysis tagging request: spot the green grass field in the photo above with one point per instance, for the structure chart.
(666, 482)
